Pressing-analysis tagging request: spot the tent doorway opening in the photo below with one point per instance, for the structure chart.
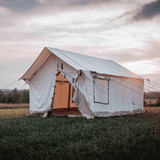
(63, 104)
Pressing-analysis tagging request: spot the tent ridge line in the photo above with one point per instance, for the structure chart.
(70, 58)
(114, 75)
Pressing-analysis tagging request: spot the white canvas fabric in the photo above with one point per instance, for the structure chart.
(102, 87)
(101, 91)
(82, 104)
(81, 62)
(80, 95)
(88, 63)
(125, 97)
(41, 87)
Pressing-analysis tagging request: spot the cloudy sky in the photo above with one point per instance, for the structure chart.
(125, 31)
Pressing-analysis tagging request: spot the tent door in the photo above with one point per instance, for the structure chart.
(62, 95)
(64, 92)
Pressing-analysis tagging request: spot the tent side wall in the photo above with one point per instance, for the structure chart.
(123, 96)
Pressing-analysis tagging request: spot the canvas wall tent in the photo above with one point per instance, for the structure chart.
(102, 87)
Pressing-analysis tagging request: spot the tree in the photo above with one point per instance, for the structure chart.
(158, 101)
(1, 96)
(4, 98)
(16, 95)
(21, 96)
(25, 96)
(152, 95)
(9, 98)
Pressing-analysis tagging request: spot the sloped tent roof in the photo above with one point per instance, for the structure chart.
(80, 62)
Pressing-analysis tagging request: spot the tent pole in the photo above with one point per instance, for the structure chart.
(50, 112)
(69, 96)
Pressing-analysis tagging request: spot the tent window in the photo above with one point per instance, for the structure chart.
(101, 91)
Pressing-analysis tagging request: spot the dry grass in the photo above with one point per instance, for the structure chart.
(15, 110)
(14, 105)
(11, 113)
(151, 101)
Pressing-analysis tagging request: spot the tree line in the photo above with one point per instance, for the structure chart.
(15, 96)
(22, 96)
(151, 95)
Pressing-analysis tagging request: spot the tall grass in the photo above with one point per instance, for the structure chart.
(122, 137)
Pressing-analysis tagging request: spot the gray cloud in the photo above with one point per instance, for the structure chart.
(117, 22)
(86, 2)
(119, 56)
(19, 5)
(80, 2)
(152, 49)
(26, 5)
(150, 52)
(148, 11)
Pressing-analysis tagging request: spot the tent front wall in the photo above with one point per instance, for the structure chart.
(41, 87)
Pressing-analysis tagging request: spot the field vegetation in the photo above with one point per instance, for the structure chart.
(13, 110)
(14, 96)
(151, 95)
(10, 113)
(121, 137)
(13, 106)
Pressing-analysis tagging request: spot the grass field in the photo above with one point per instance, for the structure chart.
(122, 137)
(10, 113)
(13, 110)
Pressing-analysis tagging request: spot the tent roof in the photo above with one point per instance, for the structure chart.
(81, 62)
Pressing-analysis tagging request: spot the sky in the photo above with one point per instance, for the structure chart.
(125, 31)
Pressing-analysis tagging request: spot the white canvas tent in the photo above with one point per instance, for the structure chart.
(102, 87)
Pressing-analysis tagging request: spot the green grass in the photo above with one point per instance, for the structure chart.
(123, 137)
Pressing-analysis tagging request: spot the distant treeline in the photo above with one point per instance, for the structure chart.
(22, 96)
(151, 95)
(15, 96)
